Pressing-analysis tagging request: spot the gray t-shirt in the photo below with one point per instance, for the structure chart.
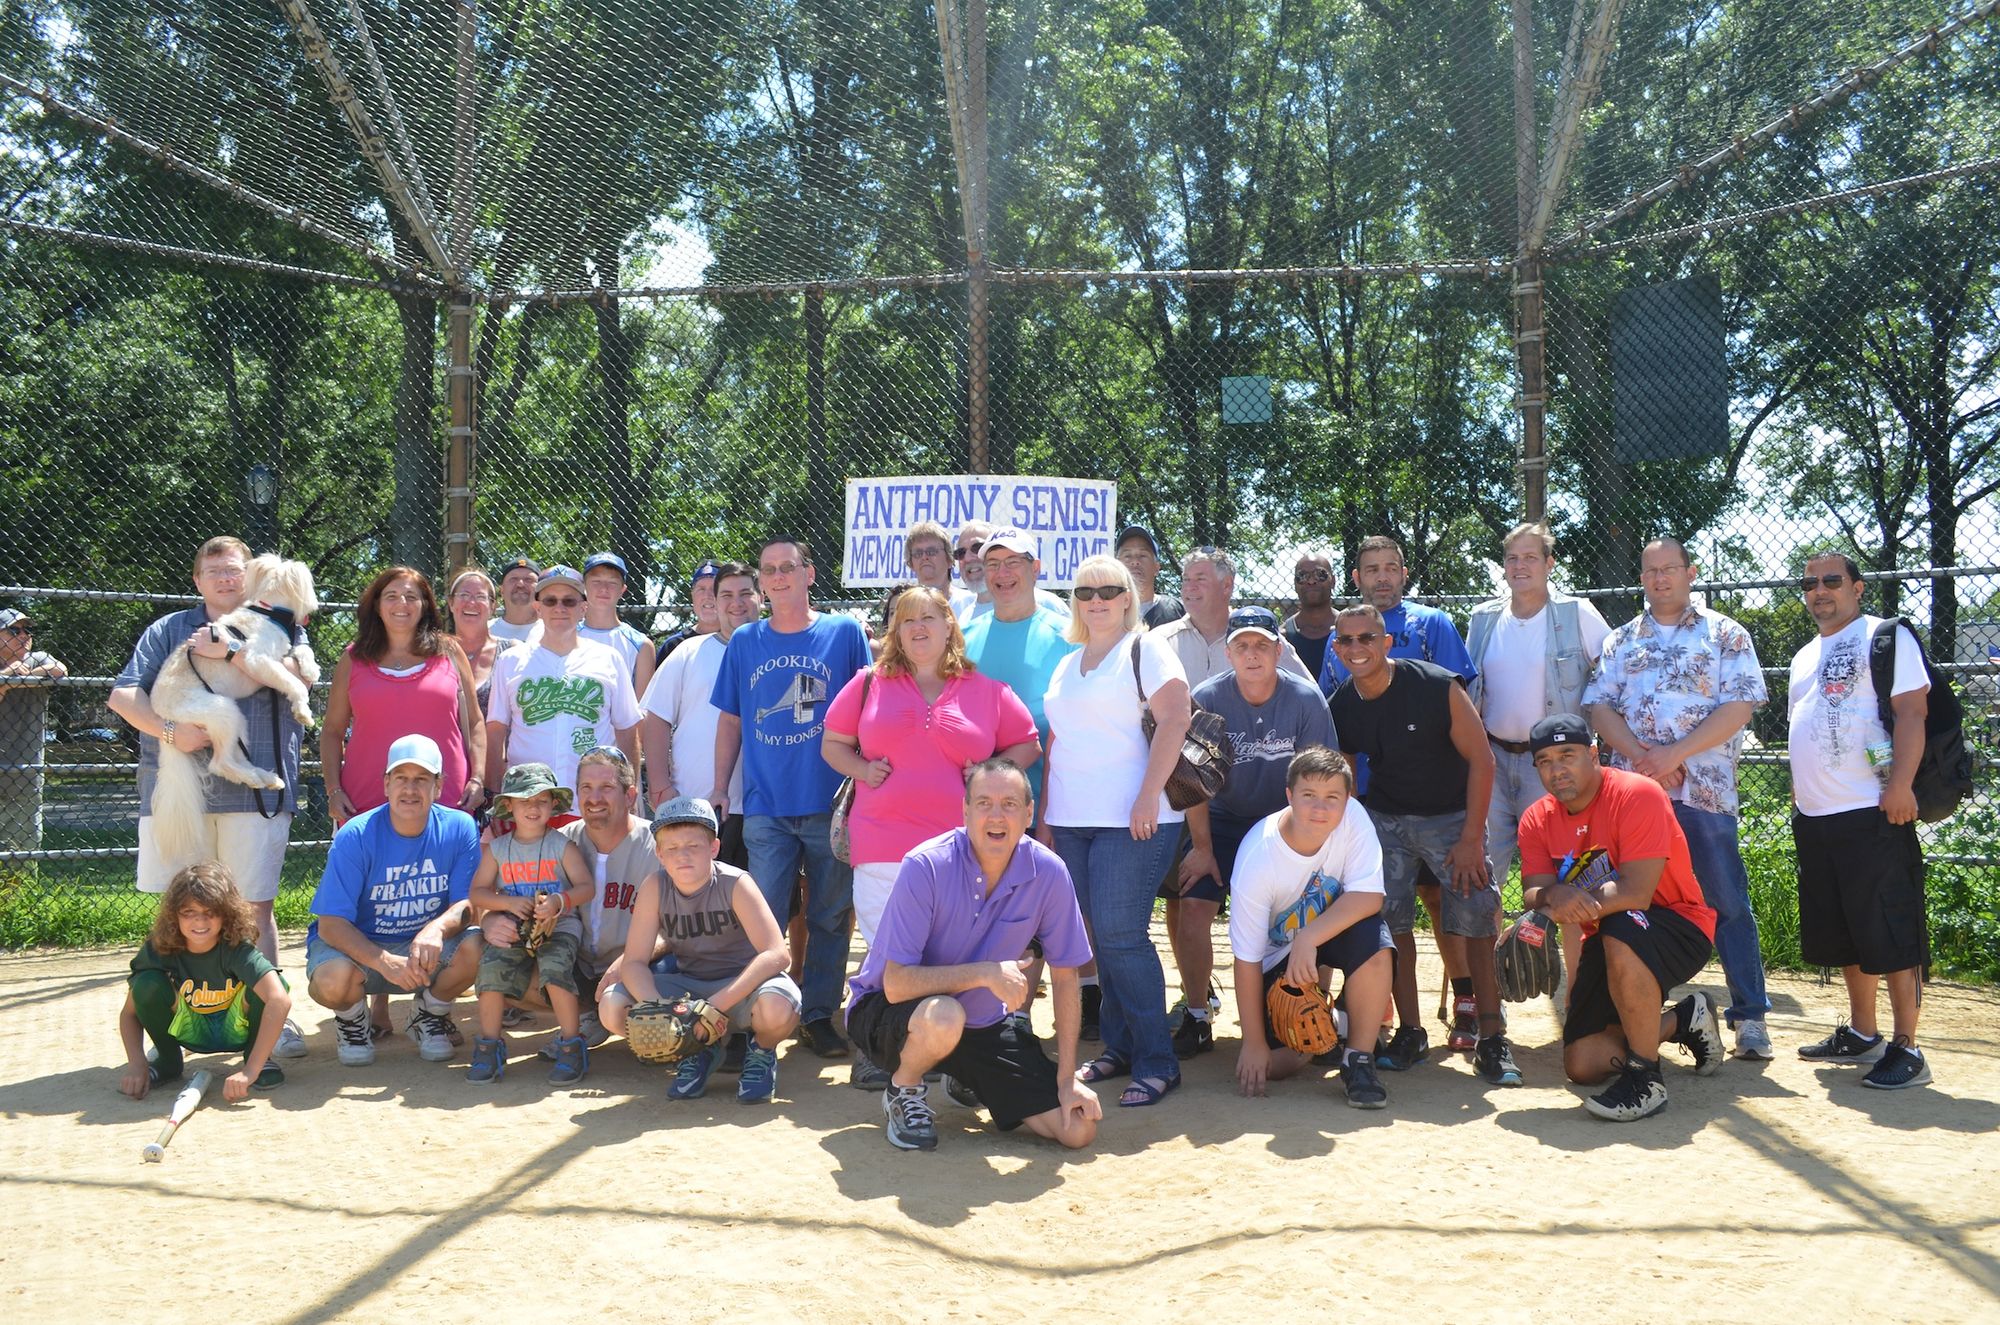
(24, 712)
(619, 872)
(528, 869)
(702, 931)
(1266, 736)
(282, 754)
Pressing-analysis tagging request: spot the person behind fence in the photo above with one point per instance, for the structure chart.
(943, 986)
(1602, 853)
(517, 600)
(469, 618)
(402, 673)
(539, 879)
(1534, 647)
(1670, 699)
(1270, 715)
(777, 678)
(199, 985)
(702, 929)
(1112, 824)
(1430, 773)
(1425, 633)
(1854, 821)
(906, 729)
(24, 711)
(604, 581)
(249, 827)
(1308, 898)
(561, 694)
(927, 552)
(1140, 551)
(391, 911)
(678, 729)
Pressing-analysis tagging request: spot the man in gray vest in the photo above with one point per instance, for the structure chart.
(1534, 649)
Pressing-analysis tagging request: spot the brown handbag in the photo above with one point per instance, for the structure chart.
(843, 799)
(1206, 754)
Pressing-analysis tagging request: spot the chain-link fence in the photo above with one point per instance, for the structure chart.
(438, 282)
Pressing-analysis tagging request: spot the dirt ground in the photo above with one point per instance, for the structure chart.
(398, 1192)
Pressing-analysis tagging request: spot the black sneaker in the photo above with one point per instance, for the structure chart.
(866, 1073)
(1899, 1068)
(1493, 1057)
(1701, 1032)
(1363, 1087)
(911, 1123)
(961, 1094)
(1845, 1045)
(1406, 1048)
(1193, 1036)
(1637, 1092)
(1092, 997)
(823, 1039)
(733, 1051)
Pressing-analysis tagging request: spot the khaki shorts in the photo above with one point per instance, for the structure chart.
(252, 846)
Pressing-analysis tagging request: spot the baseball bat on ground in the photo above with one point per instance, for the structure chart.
(185, 1103)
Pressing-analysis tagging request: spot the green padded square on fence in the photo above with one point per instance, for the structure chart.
(1246, 399)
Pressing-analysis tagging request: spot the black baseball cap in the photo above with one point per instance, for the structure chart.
(520, 563)
(1559, 729)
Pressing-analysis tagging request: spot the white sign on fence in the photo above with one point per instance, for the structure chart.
(1073, 518)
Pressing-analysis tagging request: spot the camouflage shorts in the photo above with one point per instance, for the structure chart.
(512, 971)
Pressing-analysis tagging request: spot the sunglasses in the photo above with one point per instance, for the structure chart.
(1312, 577)
(1083, 593)
(562, 602)
(961, 553)
(784, 568)
(19, 630)
(1808, 583)
(611, 752)
(1346, 640)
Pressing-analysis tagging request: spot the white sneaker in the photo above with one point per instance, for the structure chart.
(291, 1044)
(432, 1034)
(1752, 1040)
(357, 1045)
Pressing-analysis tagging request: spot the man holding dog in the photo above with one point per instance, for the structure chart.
(250, 828)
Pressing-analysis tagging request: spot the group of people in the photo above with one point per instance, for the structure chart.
(982, 793)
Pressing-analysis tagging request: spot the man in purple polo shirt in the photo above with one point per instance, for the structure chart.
(946, 977)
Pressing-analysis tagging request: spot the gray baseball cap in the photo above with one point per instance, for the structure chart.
(686, 810)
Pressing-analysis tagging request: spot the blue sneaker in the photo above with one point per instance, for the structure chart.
(691, 1077)
(572, 1060)
(760, 1075)
(489, 1061)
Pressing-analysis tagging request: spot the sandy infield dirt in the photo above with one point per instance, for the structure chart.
(1771, 1192)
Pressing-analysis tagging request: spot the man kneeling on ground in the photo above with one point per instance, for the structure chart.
(1308, 895)
(1603, 850)
(725, 947)
(945, 979)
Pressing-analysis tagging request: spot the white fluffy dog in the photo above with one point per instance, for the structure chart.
(193, 689)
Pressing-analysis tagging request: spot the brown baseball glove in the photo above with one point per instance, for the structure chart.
(666, 1031)
(1301, 1018)
(534, 933)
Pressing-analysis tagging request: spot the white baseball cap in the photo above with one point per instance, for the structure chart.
(418, 749)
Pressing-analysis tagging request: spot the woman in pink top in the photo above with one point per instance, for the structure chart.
(928, 717)
(402, 675)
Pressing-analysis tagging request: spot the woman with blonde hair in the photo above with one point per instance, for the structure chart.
(906, 729)
(468, 616)
(1108, 813)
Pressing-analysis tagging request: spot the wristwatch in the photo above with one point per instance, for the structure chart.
(235, 647)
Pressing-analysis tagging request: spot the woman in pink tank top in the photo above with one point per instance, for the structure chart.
(403, 675)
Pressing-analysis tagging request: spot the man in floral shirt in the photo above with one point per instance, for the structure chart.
(1673, 691)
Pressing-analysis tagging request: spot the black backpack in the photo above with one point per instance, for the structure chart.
(1944, 774)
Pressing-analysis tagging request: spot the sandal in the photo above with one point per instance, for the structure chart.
(1142, 1093)
(1105, 1067)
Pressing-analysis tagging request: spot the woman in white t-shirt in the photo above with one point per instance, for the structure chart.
(1109, 816)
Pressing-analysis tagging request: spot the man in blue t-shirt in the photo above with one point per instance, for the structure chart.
(1415, 631)
(777, 678)
(1018, 643)
(391, 910)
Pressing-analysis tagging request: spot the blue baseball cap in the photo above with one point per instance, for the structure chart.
(611, 559)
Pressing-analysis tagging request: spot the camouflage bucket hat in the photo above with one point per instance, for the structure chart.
(525, 780)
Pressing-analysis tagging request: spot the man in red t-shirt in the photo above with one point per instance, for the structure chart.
(1603, 851)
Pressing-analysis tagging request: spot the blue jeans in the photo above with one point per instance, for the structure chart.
(1725, 884)
(1116, 876)
(777, 844)
(1516, 786)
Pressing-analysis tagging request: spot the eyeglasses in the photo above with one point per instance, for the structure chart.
(473, 599)
(1808, 583)
(1084, 593)
(1312, 577)
(1649, 572)
(926, 552)
(570, 603)
(961, 553)
(783, 568)
(1345, 641)
(1014, 562)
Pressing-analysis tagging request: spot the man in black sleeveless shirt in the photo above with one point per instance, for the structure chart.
(1430, 777)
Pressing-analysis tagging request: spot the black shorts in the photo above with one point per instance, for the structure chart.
(1346, 952)
(733, 852)
(1226, 835)
(1861, 892)
(1003, 1063)
(1673, 948)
